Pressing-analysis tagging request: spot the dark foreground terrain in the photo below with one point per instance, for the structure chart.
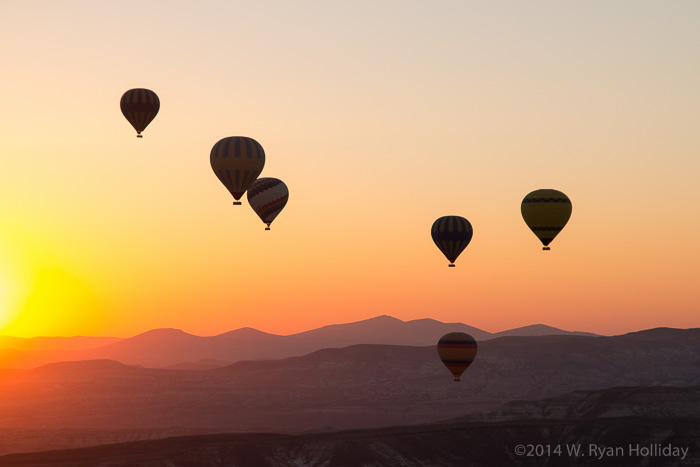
(80, 404)
(657, 426)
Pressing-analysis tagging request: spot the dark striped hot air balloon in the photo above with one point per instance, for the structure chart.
(140, 107)
(237, 161)
(546, 212)
(457, 350)
(451, 234)
(267, 197)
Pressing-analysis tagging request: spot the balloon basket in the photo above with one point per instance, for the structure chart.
(236, 203)
(267, 228)
(139, 136)
(456, 380)
(546, 248)
(450, 265)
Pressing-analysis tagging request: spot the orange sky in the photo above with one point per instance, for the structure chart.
(380, 117)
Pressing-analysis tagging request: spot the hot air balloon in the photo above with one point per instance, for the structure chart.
(546, 212)
(457, 350)
(451, 234)
(237, 161)
(267, 197)
(140, 107)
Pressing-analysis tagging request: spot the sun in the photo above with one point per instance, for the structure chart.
(7, 311)
(3, 305)
(15, 271)
(57, 304)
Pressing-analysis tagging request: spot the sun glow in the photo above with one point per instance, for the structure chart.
(57, 304)
(17, 259)
(4, 309)
(8, 292)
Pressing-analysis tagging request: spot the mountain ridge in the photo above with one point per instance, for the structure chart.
(170, 347)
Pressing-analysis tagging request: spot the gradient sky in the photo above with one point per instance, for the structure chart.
(380, 117)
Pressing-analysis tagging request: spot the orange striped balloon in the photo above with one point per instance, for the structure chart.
(457, 350)
(267, 197)
(140, 107)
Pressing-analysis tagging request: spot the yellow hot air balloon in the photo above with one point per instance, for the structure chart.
(457, 350)
(546, 212)
(237, 161)
(140, 107)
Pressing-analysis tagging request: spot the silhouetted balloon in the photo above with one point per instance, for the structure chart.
(546, 212)
(140, 107)
(237, 161)
(457, 350)
(451, 234)
(267, 197)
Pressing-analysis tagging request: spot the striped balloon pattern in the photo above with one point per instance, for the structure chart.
(457, 350)
(237, 161)
(140, 107)
(546, 212)
(451, 234)
(267, 197)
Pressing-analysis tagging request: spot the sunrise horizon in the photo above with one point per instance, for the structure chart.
(361, 320)
(104, 233)
(276, 221)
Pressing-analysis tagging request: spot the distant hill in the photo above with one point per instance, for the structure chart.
(20, 352)
(203, 364)
(168, 347)
(173, 348)
(360, 386)
(576, 419)
(539, 330)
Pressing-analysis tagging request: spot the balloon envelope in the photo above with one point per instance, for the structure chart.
(546, 212)
(457, 350)
(267, 197)
(237, 161)
(451, 234)
(140, 107)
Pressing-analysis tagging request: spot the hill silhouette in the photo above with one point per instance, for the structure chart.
(539, 330)
(173, 348)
